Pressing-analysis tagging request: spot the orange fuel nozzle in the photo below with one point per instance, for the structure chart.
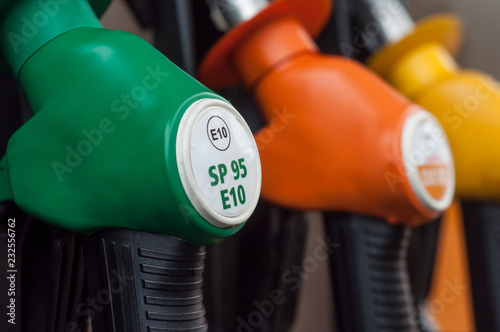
(337, 137)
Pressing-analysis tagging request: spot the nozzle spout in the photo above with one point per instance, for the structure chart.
(227, 14)
(393, 20)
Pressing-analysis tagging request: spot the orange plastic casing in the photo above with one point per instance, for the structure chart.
(333, 139)
(450, 299)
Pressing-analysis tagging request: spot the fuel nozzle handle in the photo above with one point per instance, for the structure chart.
(146, 143)
(151, 282)
(127, 147)
(392, 20)
(329, 101)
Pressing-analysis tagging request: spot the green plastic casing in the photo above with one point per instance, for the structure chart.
(100, 151)
(99, 6)
(49, 7)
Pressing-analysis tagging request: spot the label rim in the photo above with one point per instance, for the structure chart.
(184, 163)
(416, 184)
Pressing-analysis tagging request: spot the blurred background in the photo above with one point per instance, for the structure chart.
(481, 51)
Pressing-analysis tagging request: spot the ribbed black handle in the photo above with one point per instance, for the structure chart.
(153, 281)
(421, 260)
(369, 274)
(482, 230)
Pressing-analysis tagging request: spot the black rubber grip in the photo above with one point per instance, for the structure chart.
(270, 248)
(482, 230)
(369, 273)
(259, 257)
(154, 282)
(421, 261)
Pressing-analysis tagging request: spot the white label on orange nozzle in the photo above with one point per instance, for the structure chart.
(428, 160)
(435, 179)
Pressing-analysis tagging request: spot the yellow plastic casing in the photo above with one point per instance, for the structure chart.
(466, 102)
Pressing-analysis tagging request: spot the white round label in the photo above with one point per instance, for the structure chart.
(218, 163)
(428, 160)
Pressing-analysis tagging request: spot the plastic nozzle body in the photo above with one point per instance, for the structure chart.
(328, 119)
(123, 138)
(467, 104)
(29, 25)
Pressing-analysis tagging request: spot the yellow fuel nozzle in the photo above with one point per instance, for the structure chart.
(466, 102)
(420, 64)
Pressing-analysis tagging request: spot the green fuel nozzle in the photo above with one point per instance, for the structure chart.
(121, 137)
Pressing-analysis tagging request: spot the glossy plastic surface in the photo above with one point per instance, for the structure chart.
(444, 29)
(43, 15)
(99, 6)
(28, 26)
(312, 14)
(328, 118)
(105, 156)
(467, 104)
